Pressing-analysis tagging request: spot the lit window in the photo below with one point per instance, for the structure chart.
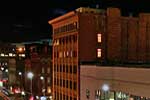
(99, 38)
(10, 54)
(57, 43)
(2, 54)
(20, 49)
(64, 54)
(67, 54)
(6, 55)
(60, 54)
(42, 69)
(48, 80)
(23, 55)
(99, 53)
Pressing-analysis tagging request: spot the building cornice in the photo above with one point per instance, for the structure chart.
(62, 17)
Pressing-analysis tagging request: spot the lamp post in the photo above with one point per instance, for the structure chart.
(20, 74)
(105, 88)
(43, 80)
(30, 76)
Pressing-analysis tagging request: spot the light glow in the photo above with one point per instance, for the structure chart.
(105, 87)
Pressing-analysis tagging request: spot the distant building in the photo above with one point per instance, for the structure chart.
(92, 36)
(38, 61)
(7, 64)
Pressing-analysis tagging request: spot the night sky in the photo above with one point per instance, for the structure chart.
(27, 20)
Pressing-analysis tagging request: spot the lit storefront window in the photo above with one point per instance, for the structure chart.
(10, 54)
(2, 54)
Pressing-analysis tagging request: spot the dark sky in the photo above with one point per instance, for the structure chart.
(27, 20)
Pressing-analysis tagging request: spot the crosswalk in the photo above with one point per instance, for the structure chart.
(3, 96)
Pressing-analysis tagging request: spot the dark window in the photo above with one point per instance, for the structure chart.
(63, 97)
(70, 98)
(63, 83)
(60, 42)
(60, 68)
(60, 96)
(75, 99)
(74, 54)
(54, 81)
(63, 68)
(67, 84)
(57, 81)
(67, 69)
(74, 38)
(63, 40)
(70, 84)
(67, 98)
(70, 69)
(55, 94)
(74, 85)
(74, 69)
(57, 68)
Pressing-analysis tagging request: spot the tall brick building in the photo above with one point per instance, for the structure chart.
(38, 61)
(94, 36)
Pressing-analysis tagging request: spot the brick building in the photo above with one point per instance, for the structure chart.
(95, 36)
(38, 61)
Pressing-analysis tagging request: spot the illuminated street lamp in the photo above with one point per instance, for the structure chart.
(30, 76)
(43, 88)
(6, 70)
(42, 78)
(105, 88)
(20, 74)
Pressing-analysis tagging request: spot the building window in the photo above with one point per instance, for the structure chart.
(42, 69)
(67, 53)
(70, 84)
(74, 85)
(60, 68)
(71, 53)
(99, 53)
(64, 54)
(57, 43)
(67, 70)
(99, 38)
(74, 54)
(70, 69)
(48, 70)
(63, 68)
(60, 54)
(48, 80)
(74, 69)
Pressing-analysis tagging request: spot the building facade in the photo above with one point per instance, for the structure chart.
(123, 83)
(73, 36)
(95, 36)
(38, 61)
(7, 64)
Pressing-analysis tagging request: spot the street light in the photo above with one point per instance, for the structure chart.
(43, 88)
(105, 88)
(30, 76)
(20, 74)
